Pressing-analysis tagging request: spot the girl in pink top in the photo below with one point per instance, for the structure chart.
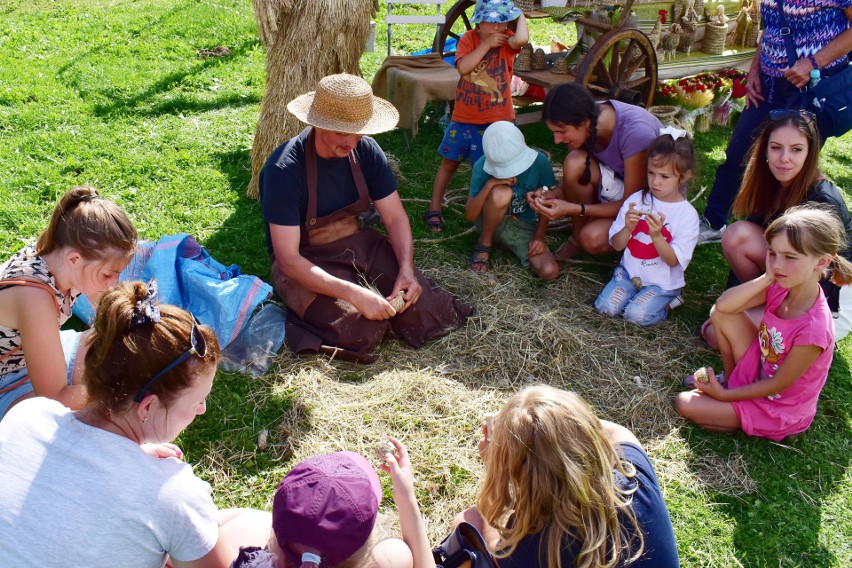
(775, 371)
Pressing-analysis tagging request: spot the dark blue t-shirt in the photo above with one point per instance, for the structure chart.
(660, 547)
(284, 181)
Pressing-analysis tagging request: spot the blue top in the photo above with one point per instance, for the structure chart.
(660, 547)
(537, 175)
(284, 181)
(813, 24)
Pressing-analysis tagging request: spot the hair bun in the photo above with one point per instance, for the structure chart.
(145, 307)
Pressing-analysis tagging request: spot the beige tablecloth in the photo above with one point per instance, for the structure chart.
(409, 82)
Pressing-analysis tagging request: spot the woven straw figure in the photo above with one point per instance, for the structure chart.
(305, 40)
(688, 27)
(670, 41)
(743, 25)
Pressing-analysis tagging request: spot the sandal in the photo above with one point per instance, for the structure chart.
(568, 250)
(434, 220)
(478, 261)
(689, 380)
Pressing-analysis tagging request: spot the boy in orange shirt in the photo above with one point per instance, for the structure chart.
(485, 57)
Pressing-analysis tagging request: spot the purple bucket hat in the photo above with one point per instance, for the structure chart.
(328, 503)
(495, 11)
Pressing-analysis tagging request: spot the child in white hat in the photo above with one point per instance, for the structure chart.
(497, 201)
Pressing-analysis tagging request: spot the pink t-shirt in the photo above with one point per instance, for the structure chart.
(792, 410)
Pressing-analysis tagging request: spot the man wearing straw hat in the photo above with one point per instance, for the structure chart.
(345, 286)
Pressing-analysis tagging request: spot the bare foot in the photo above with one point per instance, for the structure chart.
(568, 250)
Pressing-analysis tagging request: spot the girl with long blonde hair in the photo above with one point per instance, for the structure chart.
(565, 488)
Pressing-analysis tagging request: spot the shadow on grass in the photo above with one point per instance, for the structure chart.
(779, 524)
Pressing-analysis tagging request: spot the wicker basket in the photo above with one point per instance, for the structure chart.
(753, 32)
(538, 60)
(524, 60)
(554, 3)
(695, 99)
(664, 113)
(714, 38)
(560, 66)
(525, 5)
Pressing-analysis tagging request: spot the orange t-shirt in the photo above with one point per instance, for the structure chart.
(484, 95)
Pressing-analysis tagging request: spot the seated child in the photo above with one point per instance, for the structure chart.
(324, 514)
(498, 201)
(774, 371)
(657, 235)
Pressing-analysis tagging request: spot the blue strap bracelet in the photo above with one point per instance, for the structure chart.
(311, 558)
(813, 61)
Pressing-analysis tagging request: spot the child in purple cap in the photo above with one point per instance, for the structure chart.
(324, 515)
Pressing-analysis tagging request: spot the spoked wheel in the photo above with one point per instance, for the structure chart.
(456, 24)
(621, 65)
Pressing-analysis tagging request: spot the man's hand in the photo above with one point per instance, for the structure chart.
(371, 305)
(407, 282)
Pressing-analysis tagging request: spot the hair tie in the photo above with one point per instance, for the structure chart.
(146, 309)
(311, 558)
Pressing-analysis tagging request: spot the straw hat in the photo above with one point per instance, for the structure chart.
(345, 103)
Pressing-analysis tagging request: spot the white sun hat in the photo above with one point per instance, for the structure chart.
(506, 153)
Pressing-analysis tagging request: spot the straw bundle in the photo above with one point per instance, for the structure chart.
(524, 60)
(525, 5)
(714, 38)
(312, 39)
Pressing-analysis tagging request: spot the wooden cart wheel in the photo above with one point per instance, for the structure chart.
(621, 65)
(457, 22)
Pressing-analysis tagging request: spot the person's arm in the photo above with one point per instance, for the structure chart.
(631, 218)
(794, 366)
(522, 34)
(745, 296)
(754, 88)
(285, 245)
(800, 73)
(39, 328)
(656, 221)
(635, 178)
(474, 205)
(467, 63)
(399, 234)
(220, 556)
(538, 243)
(410, 519)
(619, 434)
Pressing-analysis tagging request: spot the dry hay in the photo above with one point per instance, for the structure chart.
(523, 332)
(312, 39)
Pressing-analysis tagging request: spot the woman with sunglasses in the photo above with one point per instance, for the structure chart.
(104, 486)
(782, 171)
(822, 39)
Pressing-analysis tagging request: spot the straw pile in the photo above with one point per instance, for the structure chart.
(523, 332)
(305, 41)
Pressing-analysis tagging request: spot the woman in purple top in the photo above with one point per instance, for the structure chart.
(606, 164)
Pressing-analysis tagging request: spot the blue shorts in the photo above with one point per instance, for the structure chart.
(462, 141)
(70, 342)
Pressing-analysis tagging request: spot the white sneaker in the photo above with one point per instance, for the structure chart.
(706, 232)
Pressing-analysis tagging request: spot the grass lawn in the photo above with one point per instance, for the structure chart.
(113, 94)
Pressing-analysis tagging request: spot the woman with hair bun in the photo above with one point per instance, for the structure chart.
(88, 242)
(103, 485)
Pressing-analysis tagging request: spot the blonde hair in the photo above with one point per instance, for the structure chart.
(550, 467)
(815, 230)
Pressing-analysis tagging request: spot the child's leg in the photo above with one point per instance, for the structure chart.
(545, 266)
(573, 191)
(493, 213)
(616, 294)
(442, 182)
(707, 412)
(515, 235)
(649, 305)
(734, 334)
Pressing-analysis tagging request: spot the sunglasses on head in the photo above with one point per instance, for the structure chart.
(781, 113)
(197, 346)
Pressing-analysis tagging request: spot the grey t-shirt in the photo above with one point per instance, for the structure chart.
(635, 128)
(75, 495)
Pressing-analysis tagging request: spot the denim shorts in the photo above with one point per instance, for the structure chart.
(70, 342)
(462, 141)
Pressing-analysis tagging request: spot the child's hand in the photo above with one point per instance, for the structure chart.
(495, 40)
(631, 218)
(770, 272)
(506, 181)
(711, 387)
(655, 223)
(399, 468)
(162, 451)
(537, 247)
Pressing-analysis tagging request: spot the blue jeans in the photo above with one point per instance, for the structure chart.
(778, 93)
(645, 306)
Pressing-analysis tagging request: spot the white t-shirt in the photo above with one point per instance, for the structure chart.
(641, 257)
(75, 495)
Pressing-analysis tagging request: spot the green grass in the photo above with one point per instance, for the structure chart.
(112, 93)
